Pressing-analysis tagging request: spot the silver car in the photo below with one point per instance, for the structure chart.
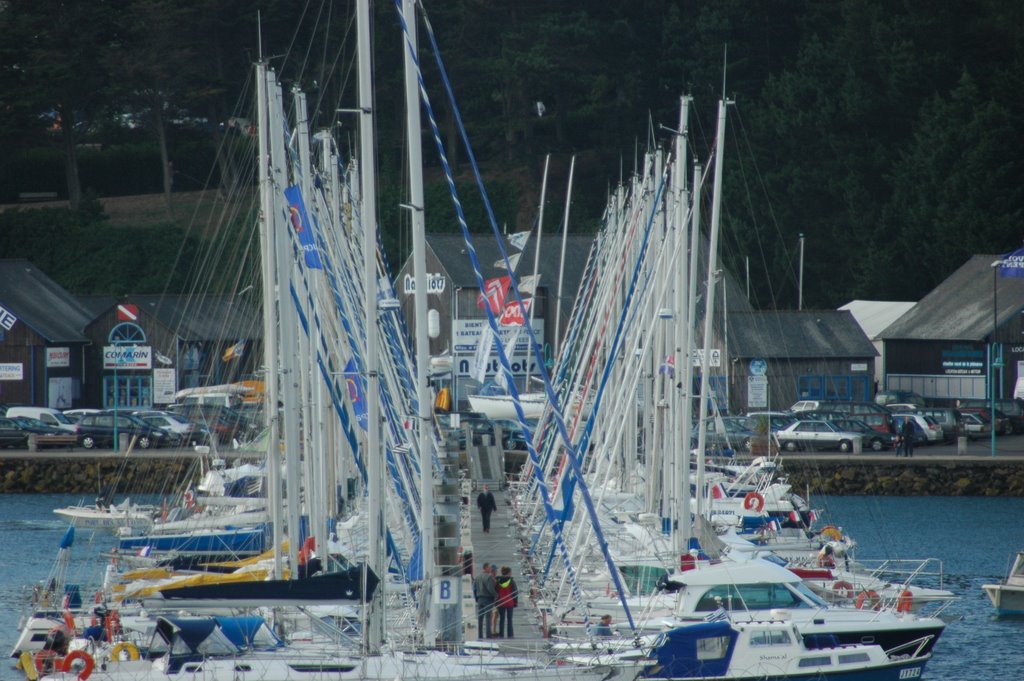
(817, 435)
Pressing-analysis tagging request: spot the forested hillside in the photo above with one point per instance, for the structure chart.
(888, 134)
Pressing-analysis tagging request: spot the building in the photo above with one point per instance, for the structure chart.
(945, 347)
(874, 317)
(42, 344)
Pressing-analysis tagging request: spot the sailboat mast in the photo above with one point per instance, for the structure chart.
(709, 303)
(419, 263)
(680, 406)
(557, 338)
(269, 260)
(374, 453)
(536, 261)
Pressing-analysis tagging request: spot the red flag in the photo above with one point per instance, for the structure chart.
(513, 314)
(494, 293)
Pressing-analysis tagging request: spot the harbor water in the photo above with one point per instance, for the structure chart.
(975, 538)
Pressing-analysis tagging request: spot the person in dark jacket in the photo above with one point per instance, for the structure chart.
(485, 592)
(487, 505)
(508, 599)
(907, 435)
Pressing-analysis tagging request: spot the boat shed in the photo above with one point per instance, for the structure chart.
(147, 347)
(874, 317)
(779, 357)
(942, 348)
(42, 343)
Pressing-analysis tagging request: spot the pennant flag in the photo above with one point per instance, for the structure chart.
(303, 227)
(512, 260)
(234, 352)
(494, 293)
(668, 366)
(145, 551)
(519, 239)
(483, 353)
(1012, 264)
(356, 392)
(528, 285)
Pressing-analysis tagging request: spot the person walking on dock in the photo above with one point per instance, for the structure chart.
(486, 593)
(487, 505)
(508, 599)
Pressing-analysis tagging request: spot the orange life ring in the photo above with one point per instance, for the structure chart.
(190, 500)
(869, 598)
(844, 588)
(753, 502)
(905, 601)
(85, 657)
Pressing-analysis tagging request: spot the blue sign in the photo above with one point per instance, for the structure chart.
(758, 367)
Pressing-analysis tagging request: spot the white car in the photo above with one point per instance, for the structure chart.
(926, 428)
(817, 435)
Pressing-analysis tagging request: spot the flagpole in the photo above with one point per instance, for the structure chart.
(536, 265)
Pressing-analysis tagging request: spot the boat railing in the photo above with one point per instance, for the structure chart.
(910, 649)
(906, 569)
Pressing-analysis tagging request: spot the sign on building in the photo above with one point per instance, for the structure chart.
(7, 319)
(436, 283)
(164, 386)
(12, 371)
(58, 357)
(127, 357)
(757, 391)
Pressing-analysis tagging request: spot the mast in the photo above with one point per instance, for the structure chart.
(368, 214)
(561, 262)
(679, 403)
(419, 262)
(709, 303)
(269, 260)
(536, 264)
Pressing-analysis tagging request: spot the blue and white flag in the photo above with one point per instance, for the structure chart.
(304, 228)
(519, 239)
(1012, 264)
(356, 392)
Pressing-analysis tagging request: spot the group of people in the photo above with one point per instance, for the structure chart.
(496, 597)
(905, 438)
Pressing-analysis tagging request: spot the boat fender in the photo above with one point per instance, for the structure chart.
(753, 502)
(127, 647)
(869, 599)
(28, 665)
(74, 656)
(905, 601)
(69, 622)
(843, 588)
(831, 532)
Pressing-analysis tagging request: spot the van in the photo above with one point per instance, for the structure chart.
(886, 397)
(230, 400)
(51, 417)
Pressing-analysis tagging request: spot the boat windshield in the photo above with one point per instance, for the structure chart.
(763, 596)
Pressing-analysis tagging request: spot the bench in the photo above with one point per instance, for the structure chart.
(29, 197)
(37, 441)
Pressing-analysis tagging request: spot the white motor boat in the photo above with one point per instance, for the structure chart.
(1008, 595)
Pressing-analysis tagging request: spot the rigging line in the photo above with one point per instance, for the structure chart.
(503, 359)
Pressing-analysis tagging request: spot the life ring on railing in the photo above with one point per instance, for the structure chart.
(831, 532)
(753, 502)
(869, 599)
(905, 601)
(46, 661)
(86, 658)
(190, 500)
(843, 588)
(124, 647)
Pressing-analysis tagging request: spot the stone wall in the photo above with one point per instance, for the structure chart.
(908, 478)
(87, 476)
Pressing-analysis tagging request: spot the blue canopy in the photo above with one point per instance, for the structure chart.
(691, 652)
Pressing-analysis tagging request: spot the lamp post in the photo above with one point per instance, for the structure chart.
(993, 361)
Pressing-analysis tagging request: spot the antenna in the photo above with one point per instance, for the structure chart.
(725, 66)
(259, 35)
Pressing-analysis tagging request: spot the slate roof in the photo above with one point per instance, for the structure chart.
(960, 308)
(875, 316)
(41, 304)
(792, 334)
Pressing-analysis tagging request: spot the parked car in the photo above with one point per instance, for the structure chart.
(735, 432)
(1003, 425)
(872, 438)
(950, 420)
(776, 419)
(11, 435)
(97, 430)
(807, 405)
(926, 430)
(51, 417)
(857, 408)
(512, 434)
(226, 424)
(817, 435)
(183, 432)
(1012, 409)
(974, 427)
(75, 414)
(887, 397)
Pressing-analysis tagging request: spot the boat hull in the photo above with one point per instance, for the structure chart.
(1008, 600)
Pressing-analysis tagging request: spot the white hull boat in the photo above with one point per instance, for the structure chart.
(1008, 596)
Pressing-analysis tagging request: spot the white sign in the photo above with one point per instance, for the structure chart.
(716, 357)
(464, 366)
(7, 319)
(164, 386)
(445, 591)
(58, 357)
(12, 372)
(127, 357)
(757, 391)
(858, 366)
(436, 283)
(59, 392)
(466, 334)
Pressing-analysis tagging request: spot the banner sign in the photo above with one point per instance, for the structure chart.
(467, 333)
(12, 371)
(127, 357)
(7, 319)
(58, 357)
(436, 283)
(164, 386)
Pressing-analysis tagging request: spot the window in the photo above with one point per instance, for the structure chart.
(712, 648)
(815, 661)
(770, 637)
(852, 658)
